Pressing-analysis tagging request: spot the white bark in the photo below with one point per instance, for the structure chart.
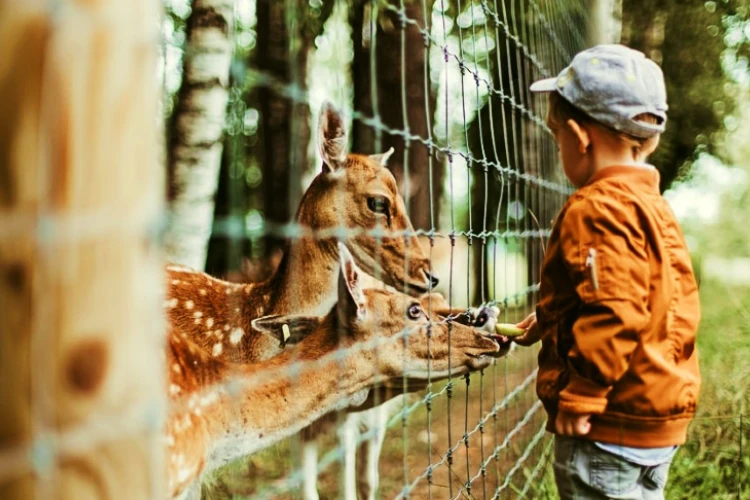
(196, 142)
(605, 22)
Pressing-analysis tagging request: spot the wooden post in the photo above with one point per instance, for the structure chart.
(81, 333)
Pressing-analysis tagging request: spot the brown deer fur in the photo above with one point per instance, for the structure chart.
(347, 352)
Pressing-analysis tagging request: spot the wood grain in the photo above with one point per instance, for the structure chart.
(81, 332)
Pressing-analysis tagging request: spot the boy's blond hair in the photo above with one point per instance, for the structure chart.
(559, 111)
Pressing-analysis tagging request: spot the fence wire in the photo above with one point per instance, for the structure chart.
(486, 135)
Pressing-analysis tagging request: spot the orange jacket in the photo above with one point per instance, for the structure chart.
(618, 313)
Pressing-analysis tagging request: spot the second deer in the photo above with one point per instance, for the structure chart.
(220, 411)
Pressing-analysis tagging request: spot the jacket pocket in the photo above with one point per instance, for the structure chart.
(592, 269)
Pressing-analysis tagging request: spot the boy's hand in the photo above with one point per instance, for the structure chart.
(532, 331)
(569, 424)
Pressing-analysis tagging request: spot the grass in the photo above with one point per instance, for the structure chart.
(715, 462)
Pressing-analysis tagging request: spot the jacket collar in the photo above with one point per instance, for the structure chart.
(641, 177)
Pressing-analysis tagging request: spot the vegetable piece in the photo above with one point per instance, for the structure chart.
(509, 330)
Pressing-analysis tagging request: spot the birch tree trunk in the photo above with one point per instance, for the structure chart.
(605, 22)
(195, 143)
(81, 376)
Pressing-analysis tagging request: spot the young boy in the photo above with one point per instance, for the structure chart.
(618, 308)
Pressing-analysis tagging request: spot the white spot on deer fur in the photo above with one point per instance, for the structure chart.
(176, 368)
(209, 398)
(170, 440)
(189, 304)
(176, 282)
(226, 328)
(236, 309)
(197, 314)
(174, 389)
(171, 303)
(236, 335)
(217, 348)
(197, 321)
(228, 290)
(202, 291)
(210, 322)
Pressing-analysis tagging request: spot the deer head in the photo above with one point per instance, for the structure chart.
(359, 194)
(396, 336)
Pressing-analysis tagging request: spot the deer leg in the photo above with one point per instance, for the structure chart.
(368, 475)
(348, 437)
(310, 470)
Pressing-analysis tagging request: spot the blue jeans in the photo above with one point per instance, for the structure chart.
(584, 471)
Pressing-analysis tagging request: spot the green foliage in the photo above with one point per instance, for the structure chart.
(709, 464)
(693, 41)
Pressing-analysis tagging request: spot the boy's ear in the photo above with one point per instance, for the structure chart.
(582, 135)
(351, 298)
(287, 329)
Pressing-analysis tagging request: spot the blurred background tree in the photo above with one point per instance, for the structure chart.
(694, 42)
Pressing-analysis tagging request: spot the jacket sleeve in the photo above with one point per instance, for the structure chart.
(607, 258)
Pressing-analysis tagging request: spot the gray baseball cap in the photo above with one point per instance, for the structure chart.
(612, 84)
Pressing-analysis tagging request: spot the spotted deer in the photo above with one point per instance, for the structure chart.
(220, 410)
(353, 193)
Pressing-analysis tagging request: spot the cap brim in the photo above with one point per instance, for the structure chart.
(547, 85)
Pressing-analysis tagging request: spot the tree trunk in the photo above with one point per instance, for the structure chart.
(392, 79)
(284, 127)
(80, 305)
(605, 22)
(195, 144)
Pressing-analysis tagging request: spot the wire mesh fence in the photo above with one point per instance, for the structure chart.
(445, 84)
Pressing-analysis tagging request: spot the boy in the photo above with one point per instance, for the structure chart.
(618, 308)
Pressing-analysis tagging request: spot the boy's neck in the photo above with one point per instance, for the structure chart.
(606, 153)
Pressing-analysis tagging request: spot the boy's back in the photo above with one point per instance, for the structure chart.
(618, 313)
(618, 309)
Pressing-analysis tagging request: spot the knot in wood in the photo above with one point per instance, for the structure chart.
(86, 365)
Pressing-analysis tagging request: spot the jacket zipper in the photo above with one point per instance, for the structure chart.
(591, 266)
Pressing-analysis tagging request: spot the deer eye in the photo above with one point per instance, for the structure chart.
(414, 311)
(378, 204)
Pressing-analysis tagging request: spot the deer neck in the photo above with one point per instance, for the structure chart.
(305, 282)
(275, 402)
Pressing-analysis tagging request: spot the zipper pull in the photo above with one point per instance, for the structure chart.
(591, 266)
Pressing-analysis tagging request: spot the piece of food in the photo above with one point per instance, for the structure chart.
(509, 330)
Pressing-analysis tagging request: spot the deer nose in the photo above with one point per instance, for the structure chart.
(433, 280)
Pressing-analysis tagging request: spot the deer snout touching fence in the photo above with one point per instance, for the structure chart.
(356, 192)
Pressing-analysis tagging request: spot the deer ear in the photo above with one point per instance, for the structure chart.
(287, 329)
(382, 158)
(331, 138)
(351, 300)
